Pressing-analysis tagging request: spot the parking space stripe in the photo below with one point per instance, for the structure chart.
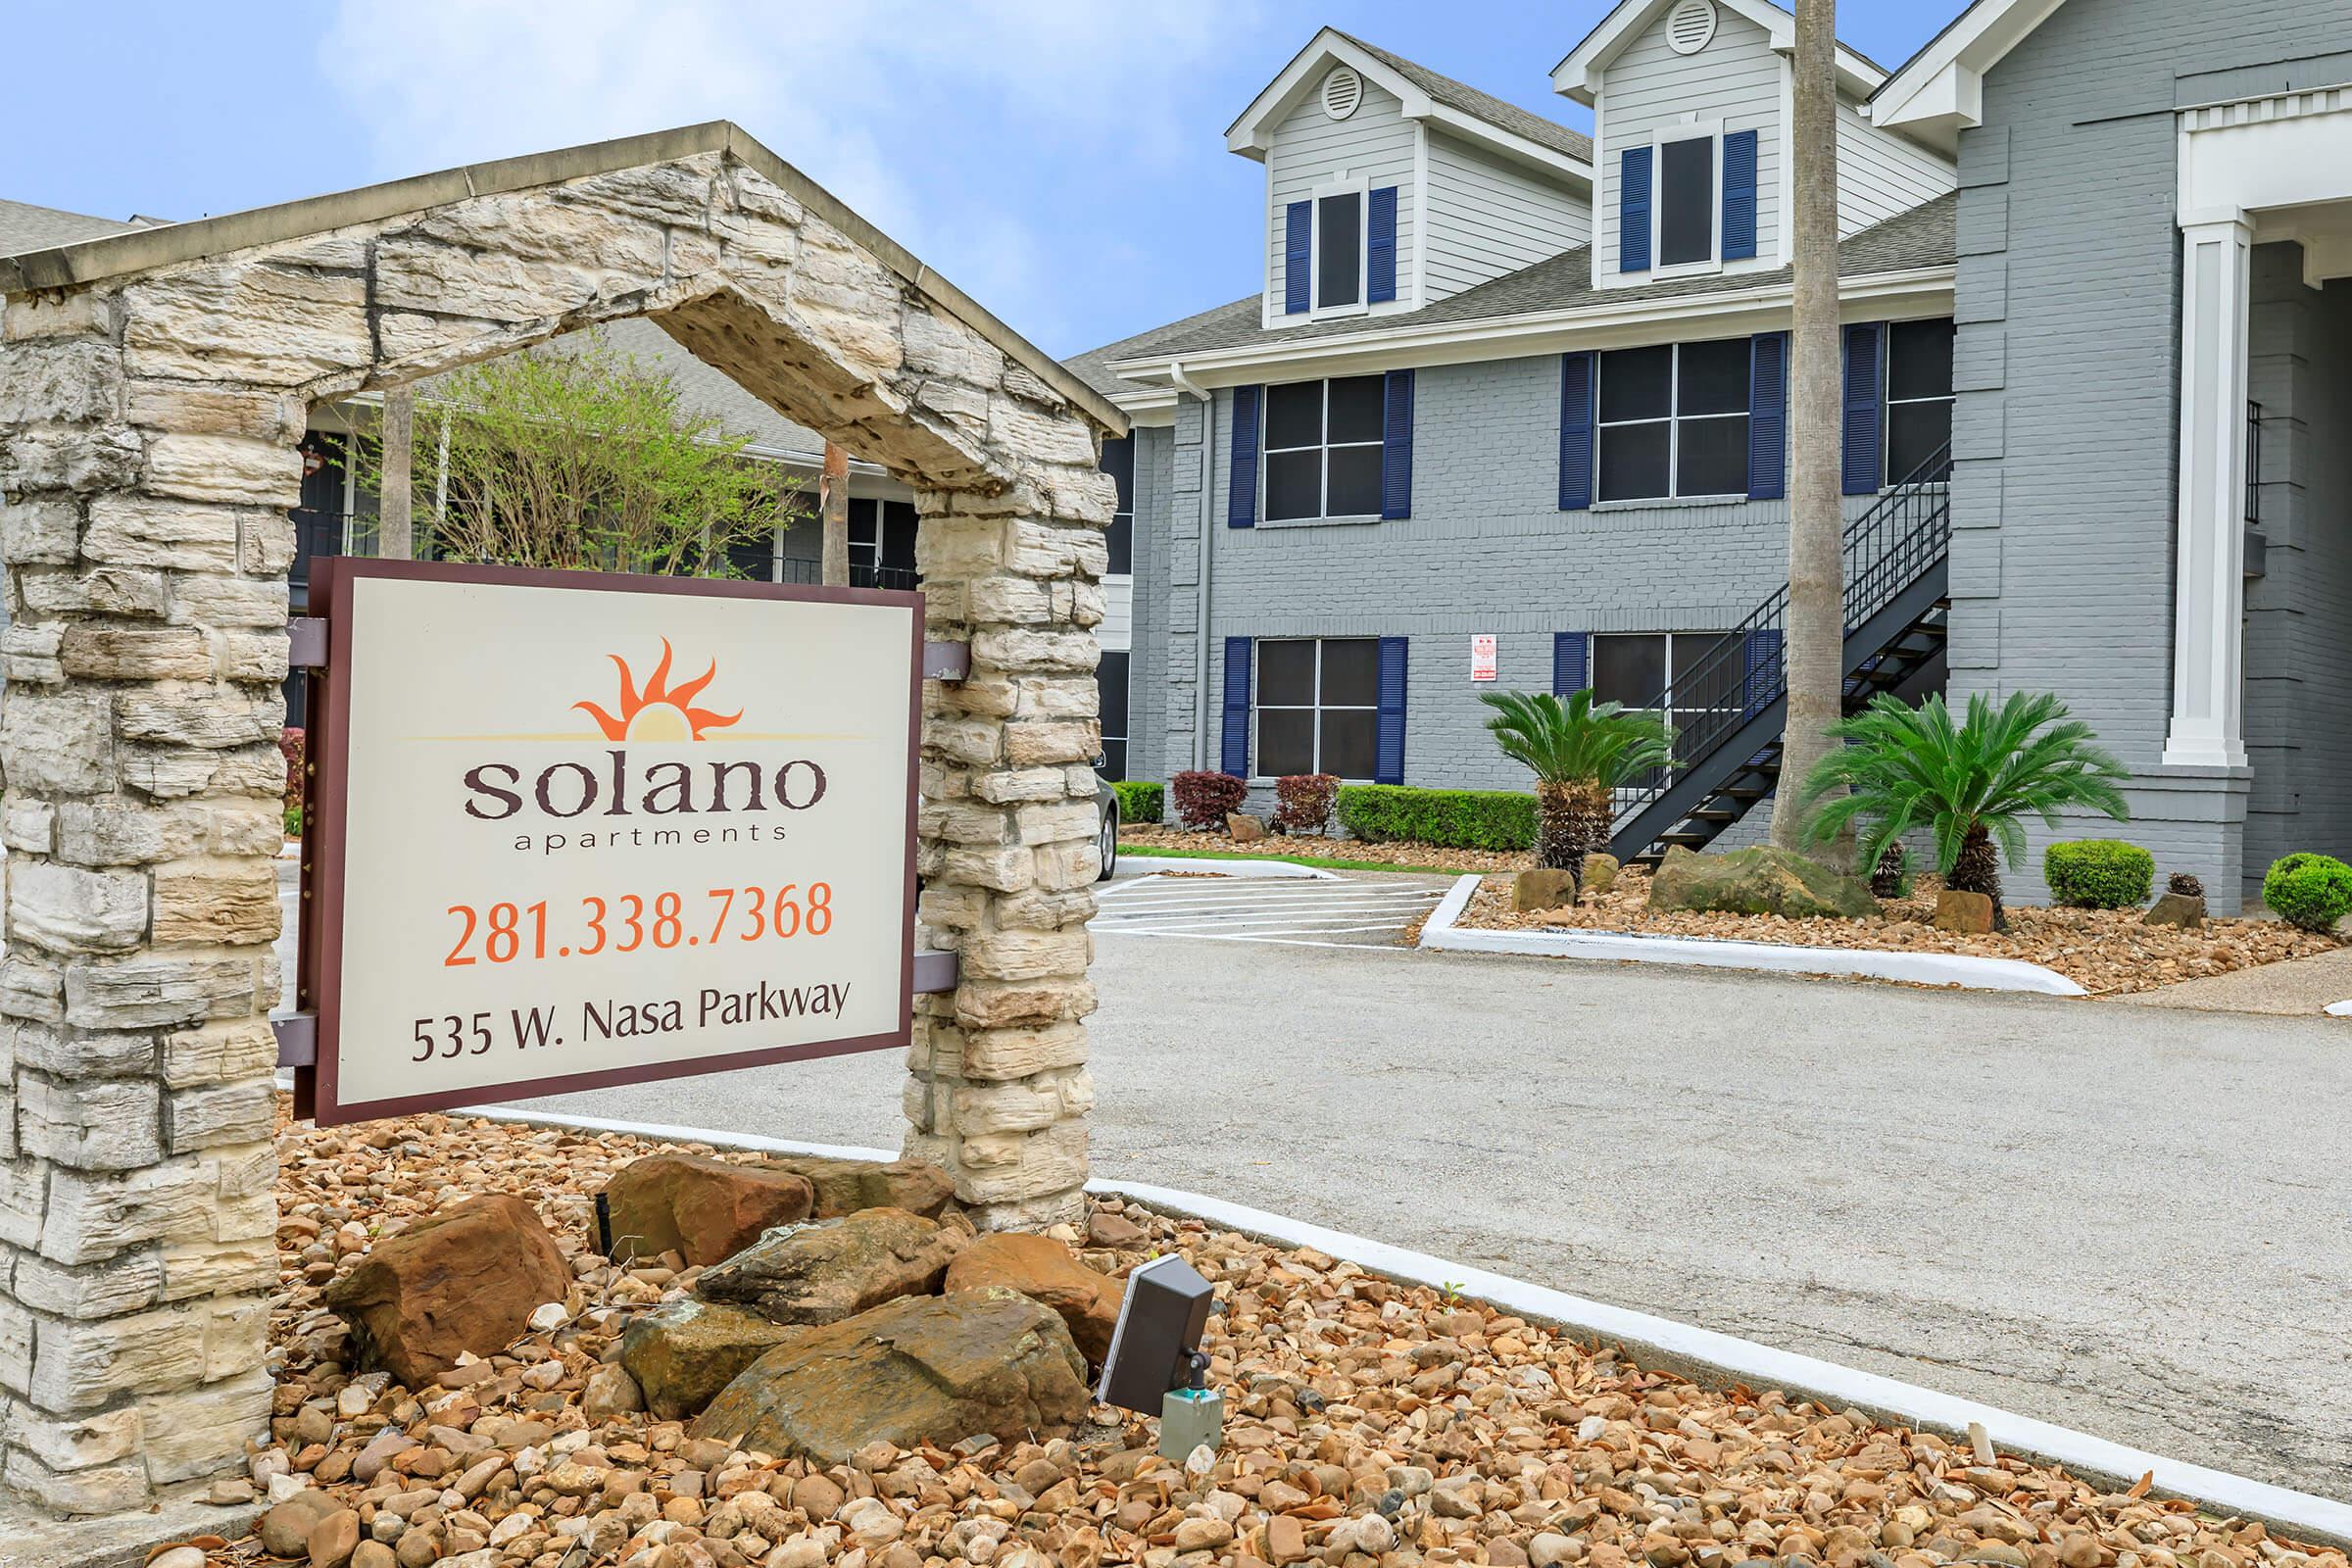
(1310, 914)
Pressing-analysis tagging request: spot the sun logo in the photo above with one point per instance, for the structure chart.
(659, 712)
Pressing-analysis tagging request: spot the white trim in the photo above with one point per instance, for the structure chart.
(1442, 934)
(1658, 1342)
(1785, 242)
(1660, 271)
(1940, 91)
(1578, 75)
(1340, 185)
(1420, 275)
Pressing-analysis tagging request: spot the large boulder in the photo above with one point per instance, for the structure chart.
(683, 1352)
(1544, 887)
(1046, 1271)
(829, 1269)
(705, 1209)
(462, 1280)
(1760, 881)
(846, 1185)
(931, 1369)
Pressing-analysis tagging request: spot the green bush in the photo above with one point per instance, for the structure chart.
(2312, 891)
(1453, 819)
(1139, 800)
(2099, 873)
(293, 821)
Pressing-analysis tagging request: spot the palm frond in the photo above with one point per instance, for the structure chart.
(1577, 740)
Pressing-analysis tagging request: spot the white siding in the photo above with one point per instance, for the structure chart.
(1309, 147)
(1488, 217)
(1880, 174)
(1117, 629)
(1735, 79)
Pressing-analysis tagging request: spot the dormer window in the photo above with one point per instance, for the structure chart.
(1340, 249)
(1687, 201)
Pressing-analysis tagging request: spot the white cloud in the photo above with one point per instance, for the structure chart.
(974, 133)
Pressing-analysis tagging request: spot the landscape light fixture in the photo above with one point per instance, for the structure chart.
(1155, 1361)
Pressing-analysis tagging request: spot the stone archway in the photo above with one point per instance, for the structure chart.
(152, 386)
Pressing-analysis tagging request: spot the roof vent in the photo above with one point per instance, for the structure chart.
(1691, 26)
(1343, 91)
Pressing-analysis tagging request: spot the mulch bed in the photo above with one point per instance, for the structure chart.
(2105, 952)
(1368, 1423)
(1406, 856)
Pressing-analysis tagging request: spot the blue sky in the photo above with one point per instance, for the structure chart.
(1062, 161)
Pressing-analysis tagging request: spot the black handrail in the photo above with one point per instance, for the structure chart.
(1746, 669)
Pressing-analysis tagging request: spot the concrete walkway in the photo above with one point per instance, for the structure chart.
(2301, 987)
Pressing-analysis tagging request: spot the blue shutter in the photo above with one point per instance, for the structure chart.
(1768, 417)
(1862, 461)
(1576, 431)
(1237, 707)
(1571, 651)
(1297, 248)
(1396, 446)
(1633, 211)
(1241, 497)
(1760, 681)
(1380, 246)
(1388, 759)
(1738, 195)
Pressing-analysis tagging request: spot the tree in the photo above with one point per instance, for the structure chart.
(833, 506)
(1893, 769)
(1816, 529)
(1580, 751)
(584, 460)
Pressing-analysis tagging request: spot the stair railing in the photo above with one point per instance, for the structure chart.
(1745, 671)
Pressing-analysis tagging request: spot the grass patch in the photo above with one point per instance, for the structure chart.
(1320, 862)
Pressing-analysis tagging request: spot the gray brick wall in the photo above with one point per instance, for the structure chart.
(2065, 428)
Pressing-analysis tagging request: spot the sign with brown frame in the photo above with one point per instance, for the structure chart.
(570, 830)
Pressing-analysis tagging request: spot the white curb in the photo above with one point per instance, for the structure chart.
(1622, 947)
(1131, 864)
(1657, 1342)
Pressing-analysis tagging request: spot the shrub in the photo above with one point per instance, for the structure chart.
(1202, 798)
(2099, 873)
(1304, 801)
(291, 741)
(293, 821)
(1139, 799)
(2311, 891)
(1452, 819)
(2183, 882)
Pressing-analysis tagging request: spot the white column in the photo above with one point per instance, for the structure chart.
(2208, 612)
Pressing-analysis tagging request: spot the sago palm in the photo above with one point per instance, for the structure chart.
(1970, 784)
(1580, 751)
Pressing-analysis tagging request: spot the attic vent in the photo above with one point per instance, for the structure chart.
(1690, 26)
(1343, 90)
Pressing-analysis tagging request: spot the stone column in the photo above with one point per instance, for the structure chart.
(998, 1092)
(145, 543)
(2209, 563)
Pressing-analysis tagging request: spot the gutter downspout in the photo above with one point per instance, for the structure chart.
(1209, 451)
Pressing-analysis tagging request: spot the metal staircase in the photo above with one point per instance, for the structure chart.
(1730, 709)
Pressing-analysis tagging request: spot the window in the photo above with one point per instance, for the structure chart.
(1919, 398)
(1323, 447)
(1673, 420)
(1339, 249)
(1118, 461)
(1110, 689)
(1318, 707)
(1687, 201)
(755, 560)
(1635, 667)
(881, 544)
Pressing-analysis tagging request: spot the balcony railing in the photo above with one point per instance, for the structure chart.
(863, 575)
(2253, 463)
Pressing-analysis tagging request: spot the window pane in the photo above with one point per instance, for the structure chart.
(1111, 686)
(1708, 668)
(1285, 742)
(1687, 201)
(754, 559)
(1355, 482)
(1633, 461)
(1295, 415)
(1121, 540)
(1714, 378)
(1351, 672)
(1114, 761)
(862, 522)
(1357, 404)
(1340, 255)
(1915, 433)
(1351, 744)
(1628, 670)
(1118, 461)
(1637, 385)
(1712, 457)
(897, 535)
(1919, 359)
(1285, 673)
(1295, 483)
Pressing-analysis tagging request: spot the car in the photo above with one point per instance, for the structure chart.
(1106, 825)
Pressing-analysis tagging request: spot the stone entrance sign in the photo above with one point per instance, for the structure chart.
(153, 387)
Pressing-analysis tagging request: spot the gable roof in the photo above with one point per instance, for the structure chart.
(1940, 91)
(1578, 74)
(26, 227)
(1919, 239)
(1429, 96)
